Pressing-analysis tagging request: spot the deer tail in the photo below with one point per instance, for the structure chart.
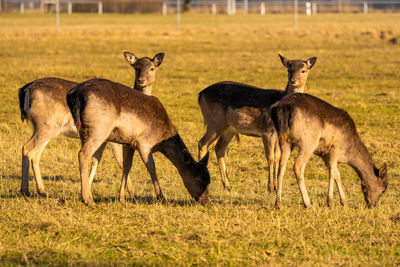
(24, 102)
(76, 102)
(281, 117)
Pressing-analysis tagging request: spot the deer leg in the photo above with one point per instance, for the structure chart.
(277, 156)
(220, 149)
(31, 153)
(269, 154)
(90, 144)
(118, 155)
(304, 154)
(148, 161)
(342, 196)
(285, 153)
(127, 165)
(95, 162)
(208, 138)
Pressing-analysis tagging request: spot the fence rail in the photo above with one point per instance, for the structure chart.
(229, 7)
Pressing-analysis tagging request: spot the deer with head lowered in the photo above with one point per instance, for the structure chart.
(106, 111)
(231, 108)
(312, 126)
(43, 103)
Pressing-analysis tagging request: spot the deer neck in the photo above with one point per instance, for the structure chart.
(173, 149)
(144, 89)
(294, 89)
(361, 161)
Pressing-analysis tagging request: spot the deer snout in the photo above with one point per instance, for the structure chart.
(141, 81)
(293, 81)
(204, 199)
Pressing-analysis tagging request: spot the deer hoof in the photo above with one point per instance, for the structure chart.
(278, 204)
(330, 203)
(25, 193)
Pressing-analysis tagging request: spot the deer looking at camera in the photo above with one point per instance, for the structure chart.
(106, 111)
(43, 103)
(231, 108)
(313, 126)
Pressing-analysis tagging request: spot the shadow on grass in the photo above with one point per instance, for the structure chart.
(148, 200)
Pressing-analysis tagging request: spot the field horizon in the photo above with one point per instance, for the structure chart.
(357, 70)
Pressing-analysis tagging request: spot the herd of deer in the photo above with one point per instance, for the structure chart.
(99, 111)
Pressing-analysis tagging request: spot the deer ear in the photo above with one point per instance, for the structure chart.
(187, 158)
(284, 60)
(131, 58)
(157, 59)
(204, 160)
(310, 62)
(383, 170)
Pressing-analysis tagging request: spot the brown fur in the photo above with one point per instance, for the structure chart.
(332, 135)
(109, 111)
(231, 108)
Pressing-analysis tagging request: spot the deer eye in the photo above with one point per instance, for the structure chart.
(152, 68)
(303, 71)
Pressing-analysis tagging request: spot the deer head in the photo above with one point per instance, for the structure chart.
(375, 187)
(297, 73)
(196, 177)
(145, 70)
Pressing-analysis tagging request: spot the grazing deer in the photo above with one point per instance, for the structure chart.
(313, 126)
(231, 108)
(43, 103)
(107, 111)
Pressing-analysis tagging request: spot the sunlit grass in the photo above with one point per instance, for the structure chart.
(357, 69)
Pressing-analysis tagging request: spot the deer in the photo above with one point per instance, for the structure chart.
(106, 111)
(43, 103)
(231, 108)
(313, 126)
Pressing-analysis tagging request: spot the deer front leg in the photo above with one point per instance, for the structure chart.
(127, 165)
(118, 155)
(147, 158)
(220, 149)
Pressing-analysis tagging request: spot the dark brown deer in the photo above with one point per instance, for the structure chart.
(313, 126)
(108, 111)
(43, 103)
(231, 108)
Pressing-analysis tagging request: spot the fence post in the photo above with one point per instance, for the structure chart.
(246, 6)
(100, 7)
(308, 8)
(21, 8)
(233, 7)
(262, 8)
(57, 14)
(164, 8)
(213, 8)
(228, 7)
(365, 7)
(69, 7)
(314, 7)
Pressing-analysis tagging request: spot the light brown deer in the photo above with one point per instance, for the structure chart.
(314, 126)
(43, 103)
(106, 111)
(231, 108)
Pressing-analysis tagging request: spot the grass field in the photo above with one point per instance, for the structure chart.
(357, 69)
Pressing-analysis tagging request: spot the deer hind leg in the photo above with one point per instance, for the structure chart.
(209, 137)
(305, 153)
(90, 144)
(269, 149)
(31, 153)
(334, 176)
(220, 149)
(147, 158)
(127, 165)
(118, 155)
(95, 162)
(285, 153)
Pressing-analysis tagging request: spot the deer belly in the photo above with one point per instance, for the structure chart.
(244, 120)
(70, 130)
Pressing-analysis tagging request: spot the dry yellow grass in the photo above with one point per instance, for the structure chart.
(357, 70)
